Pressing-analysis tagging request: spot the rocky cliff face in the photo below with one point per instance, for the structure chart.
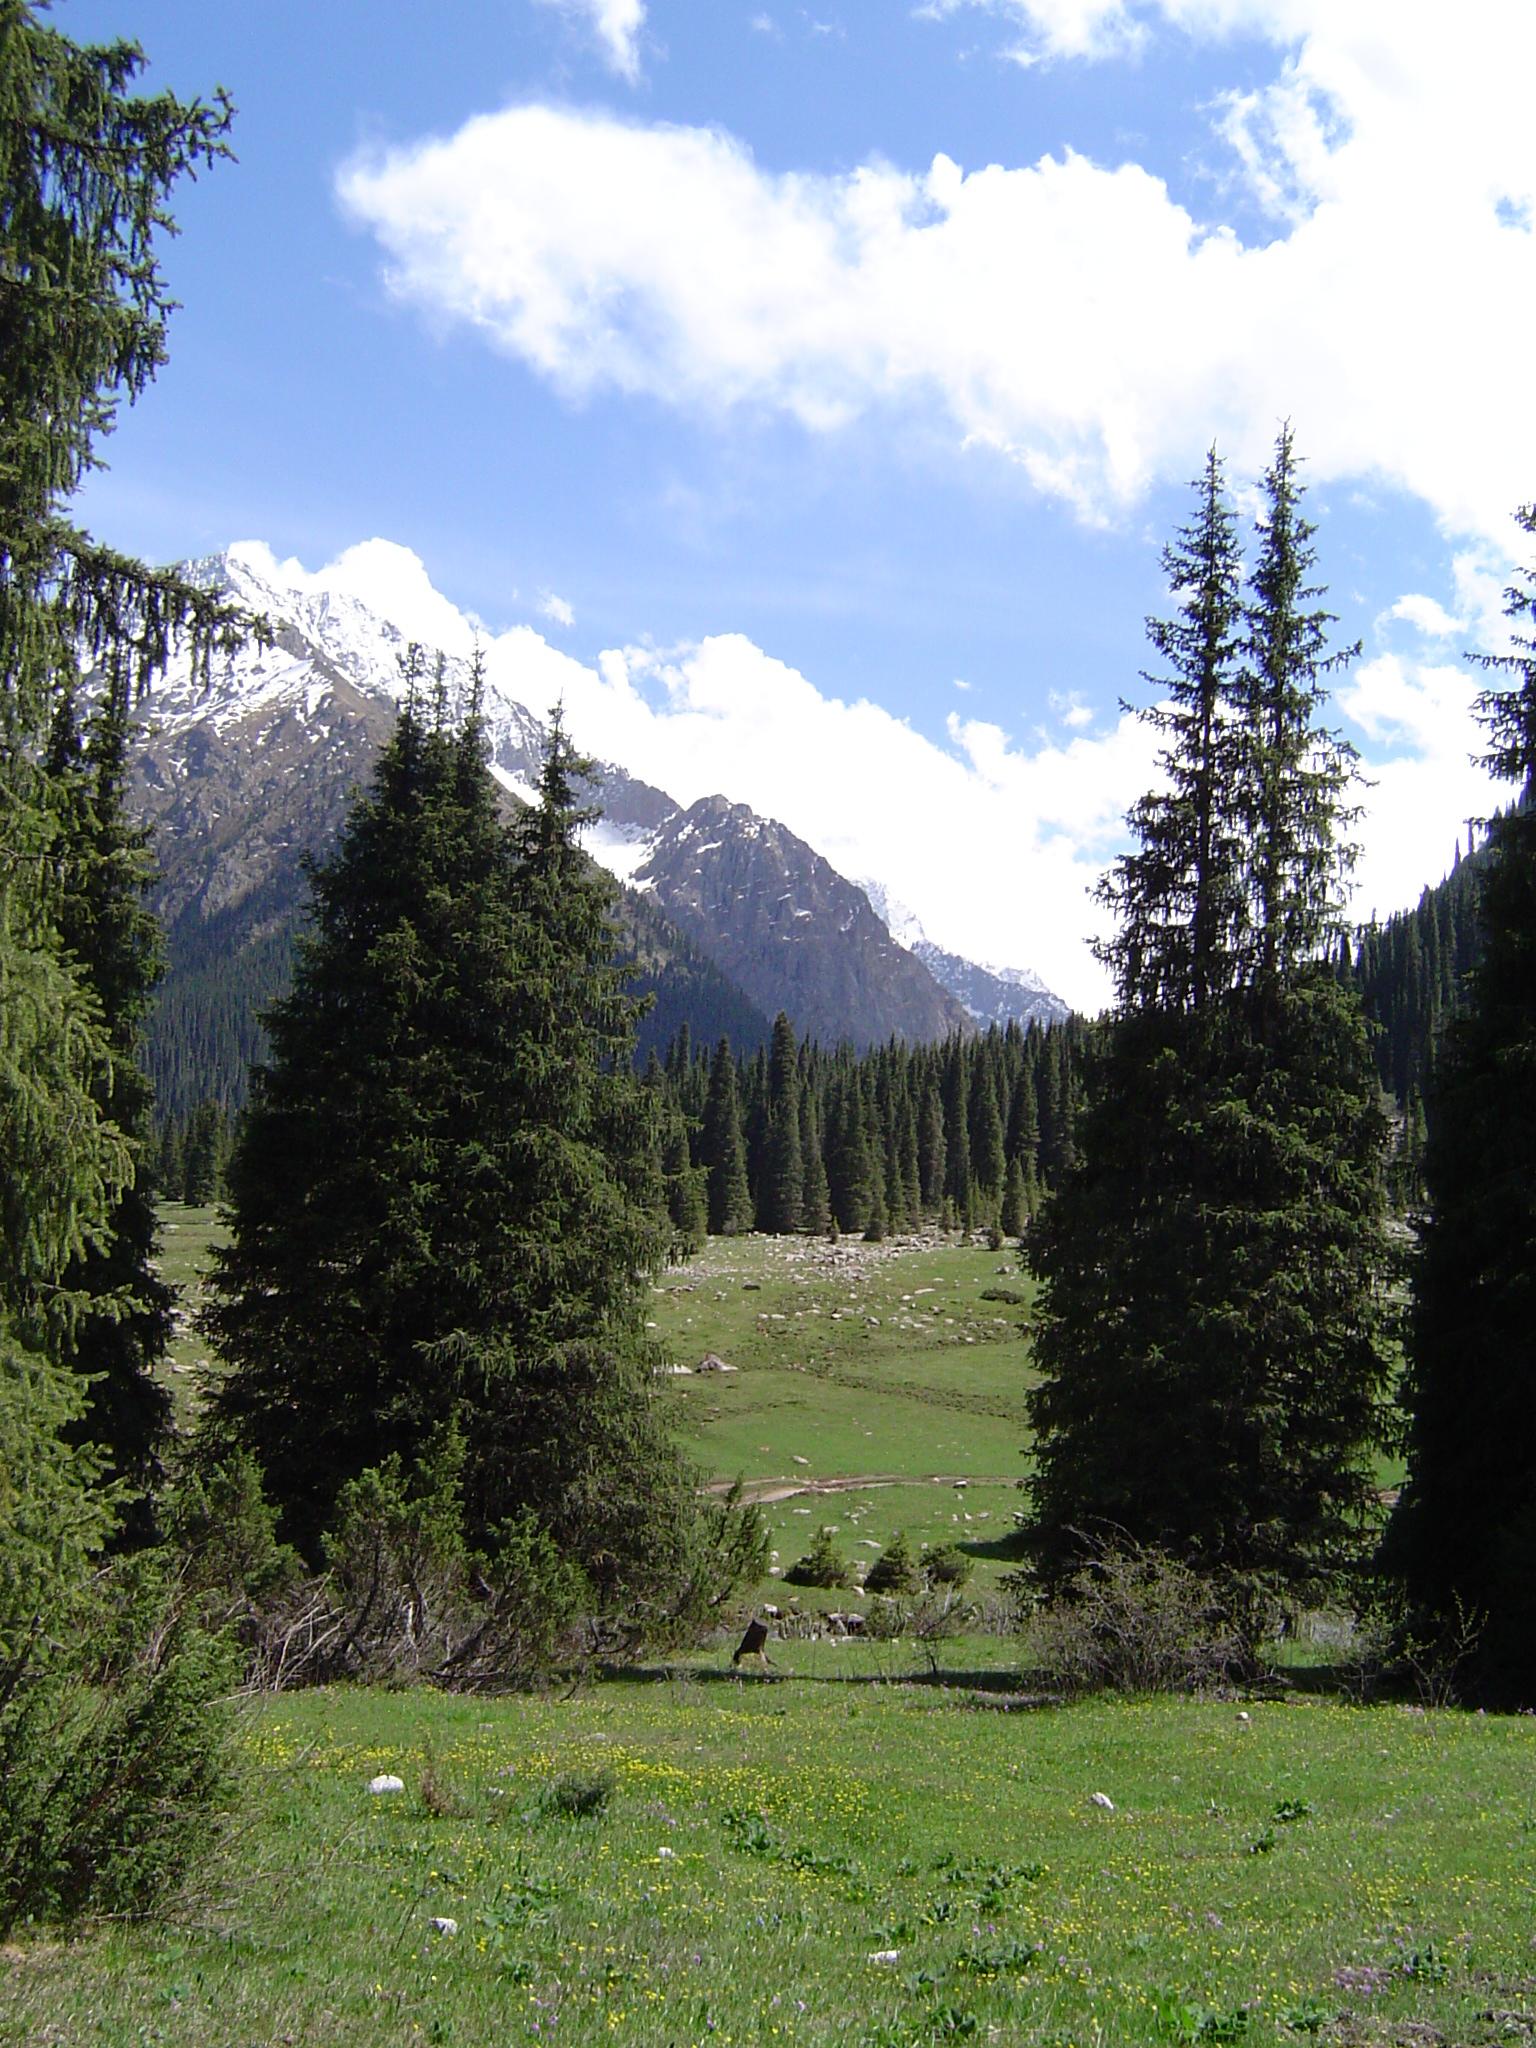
(790, 930)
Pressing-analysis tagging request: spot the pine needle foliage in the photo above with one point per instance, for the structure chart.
(106, 1776)
(446, 1205)
(1213, 1345)
(1462, 1543)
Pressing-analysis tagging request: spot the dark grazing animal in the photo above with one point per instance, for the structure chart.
(753, 1642)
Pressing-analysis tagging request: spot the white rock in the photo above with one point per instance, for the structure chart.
(1245, 1717)
(887, 1956)
(442, 1925)
(667, 1854)
(1103, 1799)
(386, 1782)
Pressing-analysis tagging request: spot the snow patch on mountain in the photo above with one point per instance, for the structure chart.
(621, 849)
(991, 994)
(904, 925)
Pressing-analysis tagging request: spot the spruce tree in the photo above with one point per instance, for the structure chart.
(985, 1124)
(686, 1197)
(780, 1194)
(203, 1156)
(1014, 1212)
(445, 1205)
(850, 1170)
(1462, 1542)
(723, 1149)
(815, 1203)
(959, 1182)
(1212, 1354)
(1180, 892)
(85, 171)
(932, 1152)
(124, 1323)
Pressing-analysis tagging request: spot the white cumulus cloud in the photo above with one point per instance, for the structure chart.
(616, 24)
(1073, 316)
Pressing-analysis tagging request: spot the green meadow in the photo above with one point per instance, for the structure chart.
(874, 1843)
(841, 1854)
(876, 1389)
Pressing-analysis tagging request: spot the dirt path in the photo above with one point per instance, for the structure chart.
(763, 1492)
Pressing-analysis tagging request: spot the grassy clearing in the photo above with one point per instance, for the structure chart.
(860, 1848)
(187, 1236)
(1318, 1871)
(881, 1363)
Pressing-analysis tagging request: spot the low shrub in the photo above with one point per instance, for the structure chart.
(1134, 1619)
(946, 1564)
(114, 1756)
(577, 1795)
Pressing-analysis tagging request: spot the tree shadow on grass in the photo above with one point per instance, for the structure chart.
(991, 1680)
(1005, 1549)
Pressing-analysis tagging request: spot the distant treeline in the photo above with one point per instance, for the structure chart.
(1410, 972)
(792, 1137)
(947, 1124)
(970, 1132)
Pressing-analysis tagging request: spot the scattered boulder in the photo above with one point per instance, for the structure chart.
(1102, 1799)
(712, 1362)
(386, 1781)
(441, 1924)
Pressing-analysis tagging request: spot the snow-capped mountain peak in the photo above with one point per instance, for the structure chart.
(991, 995)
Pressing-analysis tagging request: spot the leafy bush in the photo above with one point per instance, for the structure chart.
(108, 1790)
(577, 1795)
(702, 1553)
(222, 1530)
(1133, 1619)
(404, 1597)
(822, 1565)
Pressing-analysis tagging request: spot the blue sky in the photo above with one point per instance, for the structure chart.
(805, 393)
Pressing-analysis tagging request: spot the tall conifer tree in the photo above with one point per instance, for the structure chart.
(780, 1194)
(445, 1199)
(85, 170)
(1212, 1354)
(1463, 1539)
(124, 1325)
(723, 1149)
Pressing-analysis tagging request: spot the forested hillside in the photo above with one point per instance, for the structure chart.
(1410, 972)
(204, 1031)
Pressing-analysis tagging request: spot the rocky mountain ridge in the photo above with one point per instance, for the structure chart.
(247, 767)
